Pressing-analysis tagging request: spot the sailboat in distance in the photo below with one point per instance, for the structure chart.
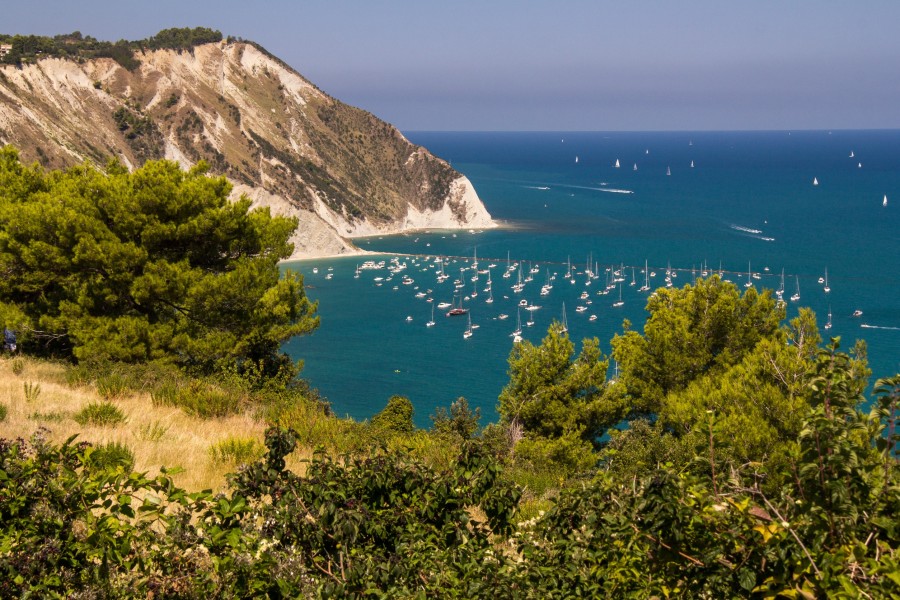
(618, 303)
(617, 164)
(517, 334)
(884, 202)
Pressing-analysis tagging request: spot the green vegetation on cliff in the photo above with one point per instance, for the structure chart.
(30, 48)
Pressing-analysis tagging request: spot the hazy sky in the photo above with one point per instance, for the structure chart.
(560, 65)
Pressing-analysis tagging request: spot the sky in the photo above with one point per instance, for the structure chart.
(497, 65)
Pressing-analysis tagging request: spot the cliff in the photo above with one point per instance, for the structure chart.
(272, 133)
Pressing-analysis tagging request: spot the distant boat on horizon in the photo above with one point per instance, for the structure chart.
(884, 202)
(635, 166)
(692, 164)
(617, 163)
(576, 160)
(668, 171)
(815, 181)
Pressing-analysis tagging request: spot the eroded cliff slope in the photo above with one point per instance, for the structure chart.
(277, 138)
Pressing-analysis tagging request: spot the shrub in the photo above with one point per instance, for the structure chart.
(152, 432)
(32, 391)
(236, 450)
(99, 413)
(199, 399)
(18, 366)
(110, 456)
(3, 412)
(52, 417)
(112, 387)
(396, 417)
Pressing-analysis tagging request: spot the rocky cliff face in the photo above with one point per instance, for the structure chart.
(277, 138)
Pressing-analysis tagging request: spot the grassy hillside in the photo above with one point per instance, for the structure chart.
(157, 435)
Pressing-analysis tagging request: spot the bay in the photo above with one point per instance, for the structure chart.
(748, 204)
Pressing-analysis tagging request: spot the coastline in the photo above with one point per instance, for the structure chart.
(357, 251)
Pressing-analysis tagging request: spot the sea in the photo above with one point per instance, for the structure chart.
(601, 206)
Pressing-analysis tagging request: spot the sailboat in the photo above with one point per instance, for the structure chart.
(617, 163)
(646, 286)
(576, 160)
(456, 311)
(530, 321)
(796, 296)
(431, 322)
(564, 326)
(884, 202)
(815, 181)
(780, 291)
(668, 171)
(851, 154)
(749, 273)
(828, 322)
(490, 299)
(635, 167)
(826, 288)
(468, 332)
(517, 334)
(692, 164)
(618, 303)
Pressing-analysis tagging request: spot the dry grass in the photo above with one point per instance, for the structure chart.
(158, 436)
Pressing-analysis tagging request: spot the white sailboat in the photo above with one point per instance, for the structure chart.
(851, 154)
(668, 171)
(884, 202)
(635, 167)
(617, 164)
(815, 181)
(431, 322)
(780, 291)
(576, 160)
(490, 298)
(749, 274)
(692, 164)
(564, 328)
(828, 322)
(517, 334)
(619, 303)
(796, 296)
(468, 332)
(646, 286)
(826, 288)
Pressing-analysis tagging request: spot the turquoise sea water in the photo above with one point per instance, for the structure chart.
(749, 198)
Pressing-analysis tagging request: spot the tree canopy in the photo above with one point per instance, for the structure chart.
(154, 264)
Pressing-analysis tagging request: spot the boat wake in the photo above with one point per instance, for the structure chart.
(867, 326)
(537, 187)
(615, 191)
(598, 189)
(750, 232)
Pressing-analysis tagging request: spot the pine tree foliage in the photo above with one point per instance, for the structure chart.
(154, 264)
